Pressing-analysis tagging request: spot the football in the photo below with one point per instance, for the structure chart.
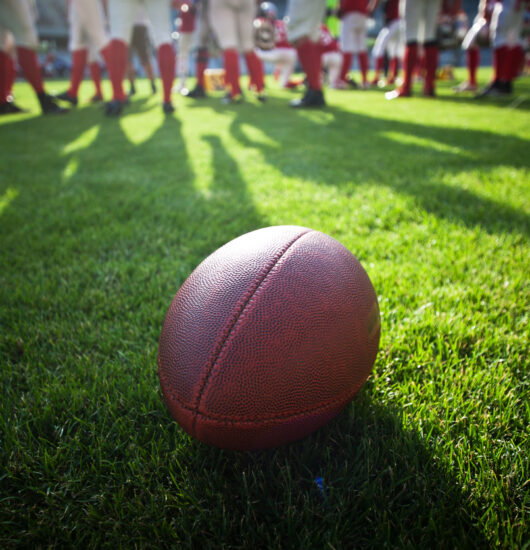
(268, 339)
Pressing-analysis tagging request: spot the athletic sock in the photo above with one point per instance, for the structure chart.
(115, 55)
(79, 59)
(516, 61)
(30, 66)
(95, 74)
(431, 64)
(202, 63)
(500, 58)
(255, 69)
(473, 60)
(4, 76)
(166, 65)
(231, 62)
(393, 67)
(409, 61)
(347, 58)
(363, 64)
(310, 59)
(378, 67)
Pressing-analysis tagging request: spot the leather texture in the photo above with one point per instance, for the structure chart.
(268, 339)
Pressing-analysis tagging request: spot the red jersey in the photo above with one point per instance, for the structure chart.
(353, 6)
(280, 35)
(391, 10)
(326, 41)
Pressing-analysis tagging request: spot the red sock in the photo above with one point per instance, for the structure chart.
(431, 64)
(231, 62)
(473, 60)
(166, 66)
(346, 64)
(500, 58)
(202, 63)
(79, 58)
(30, 66)
(409, 62)
(255, 69)
(95, 74)
(4, 76)
(516, 61)
(115, 55)
(363, 64)
(379, 65)
(309, 56)
(393, 69)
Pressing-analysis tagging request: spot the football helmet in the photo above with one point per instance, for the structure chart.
(268, 10)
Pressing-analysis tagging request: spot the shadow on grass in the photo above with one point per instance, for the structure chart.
(382, 486)
(382, 152)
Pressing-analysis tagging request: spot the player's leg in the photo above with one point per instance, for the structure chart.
(333, 66)
(95, 73)
(244, 18)
(378, 53)
(223, 20)
(122, 15)
(303, 31)
(395, 47)
(413, 11)
(430, 45)
(7, 73)
(158, 13)
(184, 49)
(18, 17)
(502, 23)
(346, 42)
(360, 23)
(143, 48)
(202, 34)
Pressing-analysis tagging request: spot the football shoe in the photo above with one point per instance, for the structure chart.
(197, 92)
(311, 99)
(168, 108)
(49, 106)
(65, 96)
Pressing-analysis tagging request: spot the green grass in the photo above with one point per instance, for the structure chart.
(101, 220)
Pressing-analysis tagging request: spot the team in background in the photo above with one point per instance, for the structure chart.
(327, 38)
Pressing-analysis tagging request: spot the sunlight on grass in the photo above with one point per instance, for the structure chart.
(70, 169)
(140, 127)
(409, 139)
(7, 198)
(83, 141)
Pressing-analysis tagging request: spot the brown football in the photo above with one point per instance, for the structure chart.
(268, 339)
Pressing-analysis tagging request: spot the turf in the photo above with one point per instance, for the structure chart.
(102, 219)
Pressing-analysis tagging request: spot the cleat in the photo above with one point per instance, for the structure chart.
(232, 100)
(497, 88)
(429, 92)
(262, 98)
(65, 96)
(465, 87)
(96, 98)
(168, 108)
(10, 108)
(397, 93)
(114, 108)
(311, 99)
(48, 105)
(197, 92)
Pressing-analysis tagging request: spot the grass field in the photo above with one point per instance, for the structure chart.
(101, 220)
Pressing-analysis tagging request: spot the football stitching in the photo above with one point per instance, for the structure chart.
(345, 399)
(241, 307)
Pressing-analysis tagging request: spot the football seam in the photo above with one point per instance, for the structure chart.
(239, 310)
(345, 399)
